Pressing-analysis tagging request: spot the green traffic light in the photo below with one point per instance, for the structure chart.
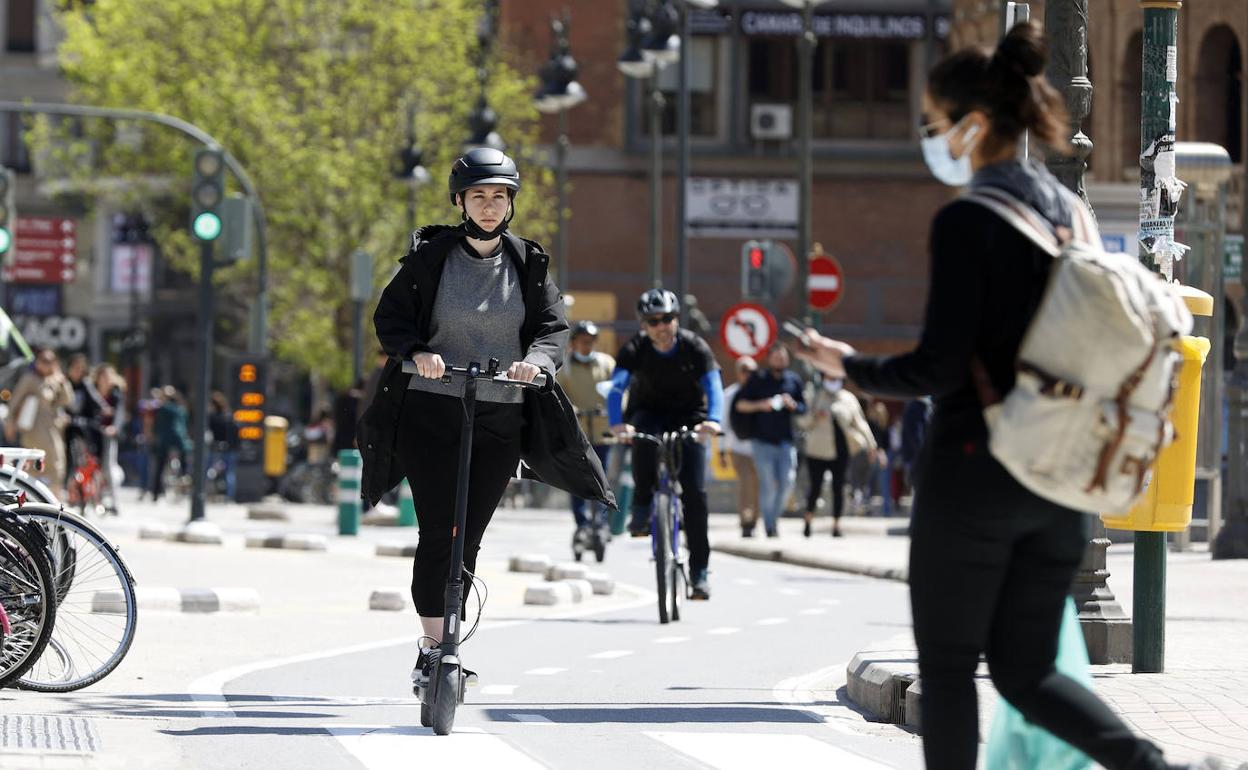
(6, 240)
(207, 226)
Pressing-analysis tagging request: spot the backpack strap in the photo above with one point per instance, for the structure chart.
(1018, 215)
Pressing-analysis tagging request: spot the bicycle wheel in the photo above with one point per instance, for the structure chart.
(26, 594)
(96, 610)
(677, 574)
(446, 700)
(662, 551)
(36, 491)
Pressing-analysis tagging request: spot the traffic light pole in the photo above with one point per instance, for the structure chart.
(656, 181)
(198, 438)
(805, 57)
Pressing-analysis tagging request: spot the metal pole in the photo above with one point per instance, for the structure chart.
(656, 180)
(561, 176)
(199, 444)
(260, 326)
(805, 57)
(357, 333)
(1105, 626)
(682, 156)
(1157, 126)
(411, 187)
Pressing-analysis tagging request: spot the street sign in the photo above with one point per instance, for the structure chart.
(826, 284)
(747, 329)
(747, 208)
(1232, 257)
(45, 251)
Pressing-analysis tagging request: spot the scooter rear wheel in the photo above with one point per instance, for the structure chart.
(446, 699)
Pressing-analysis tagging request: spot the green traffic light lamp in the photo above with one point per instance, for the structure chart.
(207, 226)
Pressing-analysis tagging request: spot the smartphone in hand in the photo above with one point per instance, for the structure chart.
(798, 332)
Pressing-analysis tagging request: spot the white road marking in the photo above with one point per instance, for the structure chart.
(498, 689)
(544, 671)
(671, 639)
(723, 630)
(814, 611)
(745, 581)
(830, 602)
(771, 621)
(392, 748)
(609, 654)
(750, 751)
(536, 719)
(790, 592)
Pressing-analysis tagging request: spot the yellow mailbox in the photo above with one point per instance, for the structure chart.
(1166, 505)
(275, 445)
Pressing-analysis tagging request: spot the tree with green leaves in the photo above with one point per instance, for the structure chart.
(311, 96)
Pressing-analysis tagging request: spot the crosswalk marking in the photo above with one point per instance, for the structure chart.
(498, 689)
(723, 631)
(772, 621)
(671, 639)
(545, 671)
(609, 654)
(830, 602)
(814, 611)
(392, 748)
(737, 751)
(745, 581)
(790, 591)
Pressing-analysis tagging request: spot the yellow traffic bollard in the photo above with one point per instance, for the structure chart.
(275, 445)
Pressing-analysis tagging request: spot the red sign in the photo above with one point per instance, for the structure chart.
(44, 251)
(747, 329)
(826, 283)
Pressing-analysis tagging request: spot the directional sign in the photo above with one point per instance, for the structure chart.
(747, 329)
(45, 251)
(826, 283)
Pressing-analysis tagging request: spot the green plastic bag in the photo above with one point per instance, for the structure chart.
(1016, 744)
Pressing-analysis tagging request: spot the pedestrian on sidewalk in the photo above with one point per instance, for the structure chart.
(37, 420)
(836, 431)
(773, 395)
(991, 564)
(737, 450)
(879, 420)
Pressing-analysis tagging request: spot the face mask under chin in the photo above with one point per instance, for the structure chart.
(474, 230)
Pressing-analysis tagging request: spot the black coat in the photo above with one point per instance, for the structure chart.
(553, 447)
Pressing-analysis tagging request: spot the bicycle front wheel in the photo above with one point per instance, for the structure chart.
(27, 597)
(96, 610)
(663, 562)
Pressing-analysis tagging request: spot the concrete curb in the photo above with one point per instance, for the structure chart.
(877, 680)
(388, 599)
(162, 599)
(396, 548)
(200, 533)
(530, 562)
(297, 542)
(267, 512)
(767, 553)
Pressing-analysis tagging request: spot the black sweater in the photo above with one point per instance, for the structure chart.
(987, 280)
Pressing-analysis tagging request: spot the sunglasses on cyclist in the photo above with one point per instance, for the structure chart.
(655, 320)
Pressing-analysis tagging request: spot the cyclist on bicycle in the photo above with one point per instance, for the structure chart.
(673, 381)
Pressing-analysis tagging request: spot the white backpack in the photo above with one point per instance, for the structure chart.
(1091, 406)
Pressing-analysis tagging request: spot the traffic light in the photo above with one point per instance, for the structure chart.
(207, 194)
(755, 270)
(8, 209)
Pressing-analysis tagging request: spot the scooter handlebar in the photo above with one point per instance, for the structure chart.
(479, 373)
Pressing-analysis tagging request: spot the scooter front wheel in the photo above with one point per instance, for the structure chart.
(446, 699)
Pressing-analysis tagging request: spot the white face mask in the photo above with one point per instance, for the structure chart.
(833, 386)
(955, 172)
(585, 358)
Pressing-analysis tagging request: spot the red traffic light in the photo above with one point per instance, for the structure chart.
(756, 258)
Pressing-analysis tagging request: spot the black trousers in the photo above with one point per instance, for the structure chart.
(428, 446)
(692, 479)
(817, 468)
(990, 569)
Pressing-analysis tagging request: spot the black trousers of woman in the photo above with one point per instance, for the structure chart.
(817, 468)
(428, 445)
(990, 569)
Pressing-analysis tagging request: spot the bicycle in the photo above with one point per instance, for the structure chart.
(94, 588)
(447, 685)
(27, 593)
(85, 490)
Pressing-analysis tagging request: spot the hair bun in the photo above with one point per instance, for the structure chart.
(1023, 50)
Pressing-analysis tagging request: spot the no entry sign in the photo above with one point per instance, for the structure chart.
(747, 329)
(827, 283)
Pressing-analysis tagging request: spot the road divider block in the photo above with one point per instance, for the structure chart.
(164, 599)
(200, 532)
(155, 530)
(567, 571)
(548, 594)
(389, 599)
(296, 542)
(601, 582)
(530, 562)
(396, 548)
(581, 589)
(267, 512)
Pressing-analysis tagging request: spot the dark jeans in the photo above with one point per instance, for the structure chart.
(990, 568)
(692, 479)
(578, 503)
(428, 447)
(817, 468)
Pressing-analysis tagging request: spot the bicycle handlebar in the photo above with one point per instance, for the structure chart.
(476, 372)
(683, 433)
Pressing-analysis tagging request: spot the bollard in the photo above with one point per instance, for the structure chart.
(407, 506)
(349, 473)
(624, 500)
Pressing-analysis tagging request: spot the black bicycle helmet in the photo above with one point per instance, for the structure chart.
(482, 166)
(657, 302)
(585, 327)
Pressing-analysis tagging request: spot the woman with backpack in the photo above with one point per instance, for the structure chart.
(991, 563)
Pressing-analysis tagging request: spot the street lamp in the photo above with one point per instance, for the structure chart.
(805, 86)
(411, 170)
(484, 119)
(558, 93)
(662, 45)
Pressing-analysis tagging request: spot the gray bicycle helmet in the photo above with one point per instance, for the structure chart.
(657, 302)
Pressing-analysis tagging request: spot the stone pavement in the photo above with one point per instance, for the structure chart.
(1198, 706)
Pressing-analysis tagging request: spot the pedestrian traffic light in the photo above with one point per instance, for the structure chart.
(207, 194)
(8, 209)
(755, 271)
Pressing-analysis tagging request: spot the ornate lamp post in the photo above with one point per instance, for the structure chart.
(558, 93)
(484, 119)
(411, 170)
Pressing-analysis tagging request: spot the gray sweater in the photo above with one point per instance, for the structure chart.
(477, 316)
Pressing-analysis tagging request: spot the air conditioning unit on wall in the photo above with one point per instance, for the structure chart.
(771, 121)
